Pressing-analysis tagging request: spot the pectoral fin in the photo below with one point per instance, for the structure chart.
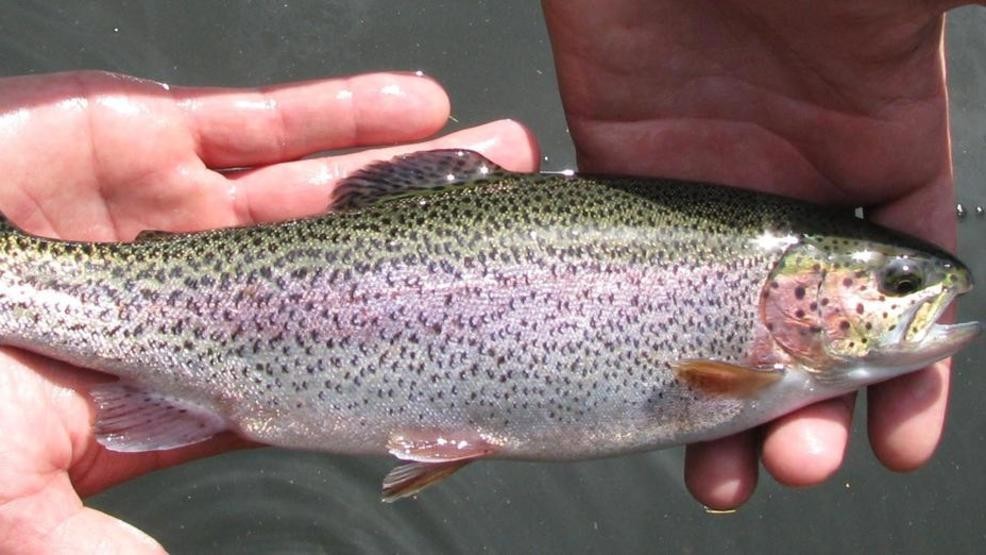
(132, 419)
(722, 378)
(434, 456)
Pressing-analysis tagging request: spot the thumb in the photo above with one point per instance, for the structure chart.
(90, 531)
(54, 520)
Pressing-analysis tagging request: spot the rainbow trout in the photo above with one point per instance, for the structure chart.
(445, 310)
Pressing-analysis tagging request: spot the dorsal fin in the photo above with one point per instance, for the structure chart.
(6, 226)
(153, 235)
(412, 173)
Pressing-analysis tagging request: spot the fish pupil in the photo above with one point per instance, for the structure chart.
(901, 277)
(906, 285)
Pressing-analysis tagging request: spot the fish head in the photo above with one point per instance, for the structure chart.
(864, 310)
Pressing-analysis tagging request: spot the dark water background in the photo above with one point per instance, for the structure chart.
(495, 60)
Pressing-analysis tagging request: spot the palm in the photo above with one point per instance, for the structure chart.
(832, 101)
(100, 157)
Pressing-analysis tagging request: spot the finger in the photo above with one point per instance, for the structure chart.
(914, 212)
(907, 414)
(61, 435)
(251, 127)
(90, 531)
(722, 474)
(808, 446)
(53, 520)
(906, 417)
(302, 188)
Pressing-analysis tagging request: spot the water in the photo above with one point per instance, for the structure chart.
(495, 60)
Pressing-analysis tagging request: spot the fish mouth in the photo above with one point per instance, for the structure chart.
(912, 346)
(950, 337)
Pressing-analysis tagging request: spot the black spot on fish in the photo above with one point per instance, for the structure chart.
(799, 292)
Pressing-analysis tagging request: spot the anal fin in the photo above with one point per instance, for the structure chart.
(434, 456)
(132, 419)
(408, 479)
(723, 378)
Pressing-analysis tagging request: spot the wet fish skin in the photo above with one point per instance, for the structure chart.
(527, 316)
(401, 309)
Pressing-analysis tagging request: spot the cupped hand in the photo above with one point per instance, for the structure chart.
(836, 102)
(98, 156)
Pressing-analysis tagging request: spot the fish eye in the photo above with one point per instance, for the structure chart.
(901, 276)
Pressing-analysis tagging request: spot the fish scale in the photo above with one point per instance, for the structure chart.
(540, 315)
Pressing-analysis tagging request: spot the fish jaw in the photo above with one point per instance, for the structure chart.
(940, 341)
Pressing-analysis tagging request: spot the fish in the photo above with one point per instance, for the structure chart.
(443, 310)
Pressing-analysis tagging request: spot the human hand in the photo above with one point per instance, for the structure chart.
(836, 102)
(97, 156)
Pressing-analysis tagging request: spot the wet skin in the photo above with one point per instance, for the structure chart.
(168, 182)
(175, 140)
(834, 102)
